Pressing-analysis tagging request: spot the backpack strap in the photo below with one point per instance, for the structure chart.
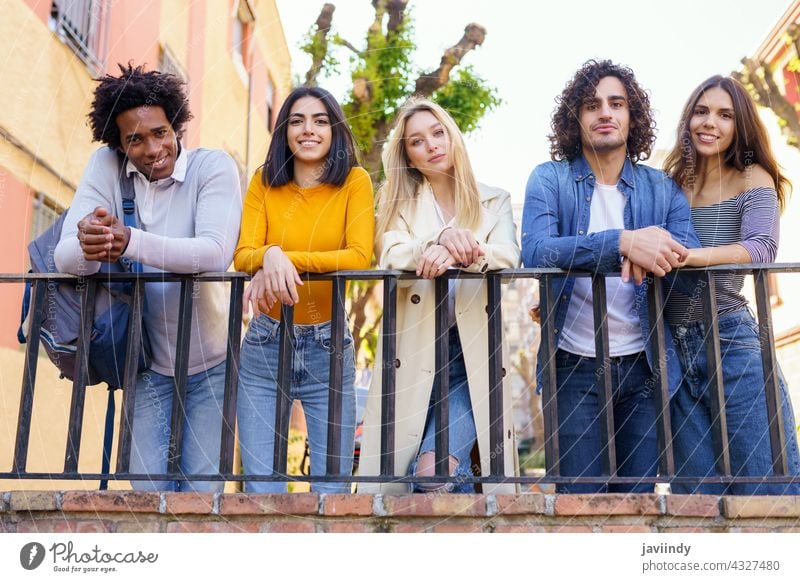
(128, 207)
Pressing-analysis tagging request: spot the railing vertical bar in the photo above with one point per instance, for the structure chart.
(334, 442)
(719, 422)
(441, 381)
(655, 305)
(38, 289)
(132, 351)
(227, 442)
(388, 374)
(181, 377)
(547, 350)
(496, 373)
(769, 362)
(80, 378)
(283, 401)
(603, 375)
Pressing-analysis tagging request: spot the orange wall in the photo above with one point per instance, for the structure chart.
(15, 224)
(41, 8)
(195, 60)
(133, 34)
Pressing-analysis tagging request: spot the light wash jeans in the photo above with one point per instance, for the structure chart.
(202, 431)
(257, 400)
(745, 410)
(461, 424)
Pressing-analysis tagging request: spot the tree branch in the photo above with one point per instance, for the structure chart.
(397, 12)
(347, 44)
(320, 41)
(474, 35)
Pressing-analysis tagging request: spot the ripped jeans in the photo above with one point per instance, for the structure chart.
(461, 424)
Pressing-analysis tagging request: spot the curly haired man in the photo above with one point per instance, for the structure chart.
(595, 208)
(188, 210)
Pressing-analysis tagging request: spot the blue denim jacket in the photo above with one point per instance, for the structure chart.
(555, 222)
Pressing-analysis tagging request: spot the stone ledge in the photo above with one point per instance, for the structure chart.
(137, 511)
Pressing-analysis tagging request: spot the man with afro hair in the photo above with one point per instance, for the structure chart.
(594, 208)
(188, 209)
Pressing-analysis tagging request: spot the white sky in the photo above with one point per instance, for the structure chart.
(533, 48)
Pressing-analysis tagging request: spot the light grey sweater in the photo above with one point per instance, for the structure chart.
(188, 223)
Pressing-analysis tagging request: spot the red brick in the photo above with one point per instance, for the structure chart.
(470, 526)
(213, 527)
(111, 501)
(411, 527)
(142, 526)
(269, 504)
(435, 504)
(761, 506)
(32, 501)
(518, 529)
(189, 503)
(520, 504)
(343, 504)
(360, 526)
(622, 528)
(290, 526)
(568, 528)
(607, 504)
(693, 505)
(63, 526)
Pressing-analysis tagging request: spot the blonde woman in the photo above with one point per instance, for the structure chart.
(434, 216)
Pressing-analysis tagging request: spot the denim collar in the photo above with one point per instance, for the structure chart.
(581, 170)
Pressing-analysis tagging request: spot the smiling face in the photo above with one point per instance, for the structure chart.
(427, 145)
(148, 140)
(712, 125)
(309, 131)
(605, 118)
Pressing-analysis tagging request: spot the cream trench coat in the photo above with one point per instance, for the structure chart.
(412, 232)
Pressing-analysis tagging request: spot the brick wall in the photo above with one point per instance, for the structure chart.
(128, 511)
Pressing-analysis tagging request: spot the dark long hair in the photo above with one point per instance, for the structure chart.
(279, 166)
(750, 143)
(565, 139)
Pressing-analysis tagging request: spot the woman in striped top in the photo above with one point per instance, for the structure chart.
(724, 163)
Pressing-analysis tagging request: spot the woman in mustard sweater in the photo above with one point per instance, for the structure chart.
(309, 209)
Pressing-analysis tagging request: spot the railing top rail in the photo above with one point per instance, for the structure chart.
(375, 274)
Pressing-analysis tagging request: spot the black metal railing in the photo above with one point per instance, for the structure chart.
(389, 471)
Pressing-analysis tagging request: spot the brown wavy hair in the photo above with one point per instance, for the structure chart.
(565, 139)
(750, 143)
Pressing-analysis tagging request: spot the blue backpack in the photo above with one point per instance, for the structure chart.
(61, 321)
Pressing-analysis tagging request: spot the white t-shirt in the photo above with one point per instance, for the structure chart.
(607, 212)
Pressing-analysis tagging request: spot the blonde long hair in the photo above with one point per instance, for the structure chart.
(403, 182)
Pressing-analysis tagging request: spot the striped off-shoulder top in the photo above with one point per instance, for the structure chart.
(751, 219)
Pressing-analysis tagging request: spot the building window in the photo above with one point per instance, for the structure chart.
(270, 104)
(241, 28)
(83, 26)
(45, 212)
(168, 63)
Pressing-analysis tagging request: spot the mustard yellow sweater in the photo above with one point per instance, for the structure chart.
(321, 229)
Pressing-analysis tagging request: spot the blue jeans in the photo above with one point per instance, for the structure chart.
(461, 424)
(258, 392)
(745, 409)
(201, 434)
(581, 409)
